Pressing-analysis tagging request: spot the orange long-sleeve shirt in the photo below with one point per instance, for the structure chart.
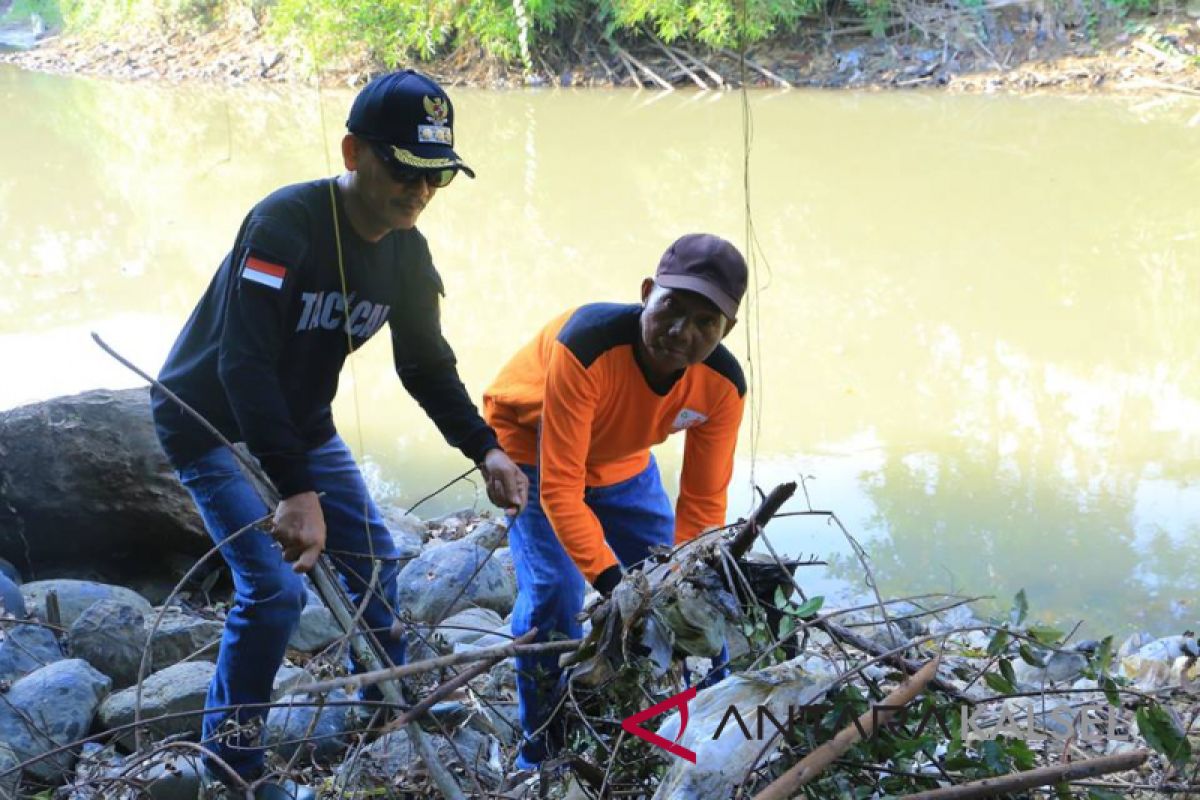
(579, 383)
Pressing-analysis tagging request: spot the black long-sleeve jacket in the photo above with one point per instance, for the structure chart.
(261, 353)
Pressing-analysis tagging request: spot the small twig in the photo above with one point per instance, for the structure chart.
(418, 667)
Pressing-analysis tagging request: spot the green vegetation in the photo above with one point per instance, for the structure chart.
(23, 10)
(395, 32)
(392, 32)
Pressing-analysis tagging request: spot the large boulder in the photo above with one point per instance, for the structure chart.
(292, 728)
(50, 708)
(74, 597)
(83, 477)
(182, 636)
(447, 579)
(111, 637)
(178, 688)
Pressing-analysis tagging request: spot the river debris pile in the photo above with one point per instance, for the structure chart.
(100, 692)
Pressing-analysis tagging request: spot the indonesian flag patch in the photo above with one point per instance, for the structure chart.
(264, 272)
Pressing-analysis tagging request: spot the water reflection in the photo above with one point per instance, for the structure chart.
(976, 320)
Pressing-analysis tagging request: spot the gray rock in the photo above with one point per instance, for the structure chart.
(504, 558)
(408, 545)
(288, 726)
(171, 775)
(499, 719)
(25, 648)
(399, 521)
(181, 636)
(11, 572)
(178, 688)
(103, 774)
(317, 629)
(499, 681)
(378, 765)
(50, 708)
(288, 679)
(452, 523)
(11, 600)
(468, 626)
(100, 450)
(75, 597)
(110, 636)
(10, 774)
(394, 754)
(501, 635)
(428, 585)
(488, 534)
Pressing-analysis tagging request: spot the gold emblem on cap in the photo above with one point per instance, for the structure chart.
(412, 160)
(438, 110)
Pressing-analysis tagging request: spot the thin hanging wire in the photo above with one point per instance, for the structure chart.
(751, 327)
(341, 264)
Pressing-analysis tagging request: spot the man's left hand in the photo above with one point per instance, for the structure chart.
(507, 485)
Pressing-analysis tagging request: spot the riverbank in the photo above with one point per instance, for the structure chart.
(95, 645)
(1010, 48)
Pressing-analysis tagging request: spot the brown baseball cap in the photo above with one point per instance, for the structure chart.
(707, 265)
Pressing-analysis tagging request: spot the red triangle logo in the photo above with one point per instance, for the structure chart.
(632, 724)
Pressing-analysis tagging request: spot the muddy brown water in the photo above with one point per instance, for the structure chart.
(974, 333)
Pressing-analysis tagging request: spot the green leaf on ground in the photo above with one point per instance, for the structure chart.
(1019, 609)
(998, 683)
(998, 642)
(1161, 732)
(811, 607)
(1030, 657)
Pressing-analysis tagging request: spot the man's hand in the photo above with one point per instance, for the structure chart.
(299, 527)
(507, 485)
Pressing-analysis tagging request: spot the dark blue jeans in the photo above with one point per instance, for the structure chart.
(636, 515)
(269, 596)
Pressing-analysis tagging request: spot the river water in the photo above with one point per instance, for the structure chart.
(973, 336)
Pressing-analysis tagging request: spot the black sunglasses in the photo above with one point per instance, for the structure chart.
(436, 178)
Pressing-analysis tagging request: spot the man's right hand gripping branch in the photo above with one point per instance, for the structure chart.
(299, 527)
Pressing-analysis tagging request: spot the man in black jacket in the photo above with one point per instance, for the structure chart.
(316, 269)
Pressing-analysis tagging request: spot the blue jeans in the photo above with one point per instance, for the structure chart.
(269, 596)
(636, 515)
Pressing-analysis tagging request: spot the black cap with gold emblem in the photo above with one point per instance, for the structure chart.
(409, 120)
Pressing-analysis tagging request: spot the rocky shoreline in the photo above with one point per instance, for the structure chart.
(82, 660)
(1013, 51)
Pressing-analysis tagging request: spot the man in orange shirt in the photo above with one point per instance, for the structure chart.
(579, 408)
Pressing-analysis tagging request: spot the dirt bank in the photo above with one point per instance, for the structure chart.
(999, 48)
